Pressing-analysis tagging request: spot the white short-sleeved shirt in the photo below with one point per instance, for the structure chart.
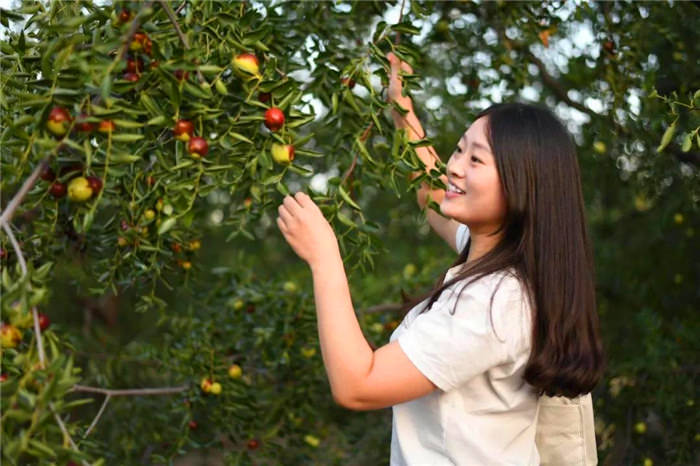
(483, 413)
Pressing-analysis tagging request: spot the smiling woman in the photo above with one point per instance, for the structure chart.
(500, 351)
(511, 321)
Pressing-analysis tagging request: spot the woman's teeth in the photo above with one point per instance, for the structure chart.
(453, 189)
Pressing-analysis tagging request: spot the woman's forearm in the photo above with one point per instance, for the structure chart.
(346, 354)
(427, 154)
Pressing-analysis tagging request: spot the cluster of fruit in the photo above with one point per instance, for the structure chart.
(11, 335)
(80, 188)
(247, 63)
(140, 42)
(209, 386)
(197, 146)
(193, 245)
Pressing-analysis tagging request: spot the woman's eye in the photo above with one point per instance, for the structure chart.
(474, 159)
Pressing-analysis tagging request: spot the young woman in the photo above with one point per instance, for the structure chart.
(513, 319)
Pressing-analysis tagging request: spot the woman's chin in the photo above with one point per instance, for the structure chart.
(446, 207)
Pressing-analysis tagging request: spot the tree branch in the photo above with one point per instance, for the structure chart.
(363, 138)
(123, 392)
(130, 391)
(35, 315)
(19, 197)
(97, 418)
(561, 93)
(176, 25)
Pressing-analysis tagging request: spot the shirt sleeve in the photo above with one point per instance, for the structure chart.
(450, 349)
(462, 236)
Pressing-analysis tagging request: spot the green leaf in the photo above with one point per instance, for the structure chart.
(220, 87)
(272, 179)
(240, 137)
(159, 120)
(345, 219)
(398, 108)
(346, 197)
(124, 158)
(87, 220)
(265, 160)
(421, 143)
(166, 225)
(106, 86)
(127, 124)
(334, 102)
(363, 149)
(687, 142)
(23, 120)
(308, 153)
(282, 189)
(63, 56)
(127, 137)
(68, 92)
(259, 45)
(378, 31)
(301, 122)
(405, 28)
(211, 69)
(42, 447)
(300, 170)
(150, 105)
(197, 91)
(668, 135)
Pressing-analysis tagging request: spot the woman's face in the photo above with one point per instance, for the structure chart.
(472, 169)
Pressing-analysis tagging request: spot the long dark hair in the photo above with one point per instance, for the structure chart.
(545, 242)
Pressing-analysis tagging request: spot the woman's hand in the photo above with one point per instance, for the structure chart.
(306, 229)
(396, 85)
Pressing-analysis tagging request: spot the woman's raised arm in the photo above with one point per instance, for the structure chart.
(445, 227)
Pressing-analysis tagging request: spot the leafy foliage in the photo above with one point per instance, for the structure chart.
(174, 270)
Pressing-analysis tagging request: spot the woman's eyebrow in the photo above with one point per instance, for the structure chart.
(476, 145)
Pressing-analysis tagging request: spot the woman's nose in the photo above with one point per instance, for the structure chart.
(454, 168)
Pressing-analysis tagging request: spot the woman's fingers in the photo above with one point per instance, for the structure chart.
(396, 62)
(285, 215)
(281, 225)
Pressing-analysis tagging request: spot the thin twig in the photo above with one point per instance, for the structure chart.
(37, 329)
(15, 246)
(123, 392)
(63, 428)
(397, 41)
(19, 197)
(363, 138)
(35, 315)
(179, 9)
(130, 391)
(99, 414)
(130, 34)
(39, 342)
(176, 25)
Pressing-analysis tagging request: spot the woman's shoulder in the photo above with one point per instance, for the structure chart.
(504, 283)
(504, 303)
